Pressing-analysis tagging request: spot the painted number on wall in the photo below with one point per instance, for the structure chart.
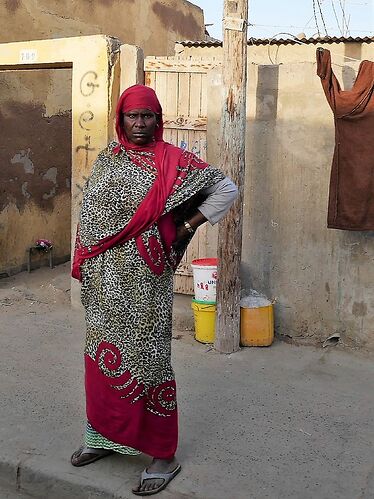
(28, 55)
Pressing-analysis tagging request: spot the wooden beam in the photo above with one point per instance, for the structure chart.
(235, 22)
(185, 123)
(176, 65)
(33, 66)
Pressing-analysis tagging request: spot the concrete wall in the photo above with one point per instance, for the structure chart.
(35, 163)
(154, 25)
(321, 279)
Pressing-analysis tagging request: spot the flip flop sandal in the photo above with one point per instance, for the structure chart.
(96, 455)
(167, 477)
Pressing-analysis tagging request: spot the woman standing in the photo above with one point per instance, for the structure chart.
(142, 203)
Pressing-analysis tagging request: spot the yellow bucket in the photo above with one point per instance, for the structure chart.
(257, 326)
(205, 320)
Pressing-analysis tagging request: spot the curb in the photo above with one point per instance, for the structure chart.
(22, 477)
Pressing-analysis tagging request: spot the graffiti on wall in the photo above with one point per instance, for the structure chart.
(197, 147)
(87, 86)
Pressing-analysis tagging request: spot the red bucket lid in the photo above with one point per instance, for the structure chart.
(205, 262)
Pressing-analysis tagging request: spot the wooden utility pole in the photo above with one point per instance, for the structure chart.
(235, 22)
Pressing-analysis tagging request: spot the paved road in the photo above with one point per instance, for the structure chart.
(7, 493)
(283, 422)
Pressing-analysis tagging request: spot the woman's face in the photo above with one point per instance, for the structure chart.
(139, 126)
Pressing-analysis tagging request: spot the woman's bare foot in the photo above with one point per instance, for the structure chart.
(157, 466)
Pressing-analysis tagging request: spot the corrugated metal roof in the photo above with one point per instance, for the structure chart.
(282, 41)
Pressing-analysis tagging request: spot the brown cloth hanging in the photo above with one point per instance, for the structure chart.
(351, 198)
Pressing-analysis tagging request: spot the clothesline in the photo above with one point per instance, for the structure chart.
(303, 43)
(341, 55)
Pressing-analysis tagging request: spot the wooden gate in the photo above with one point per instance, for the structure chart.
(181, 86)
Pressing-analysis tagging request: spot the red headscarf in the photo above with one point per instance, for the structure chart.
(150, 210)
(167, 158)
(138, 97)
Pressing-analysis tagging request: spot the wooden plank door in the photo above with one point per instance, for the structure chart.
(181, 86)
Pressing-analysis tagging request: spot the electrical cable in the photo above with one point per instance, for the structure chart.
(305, 25)
(336, 18)
(344, 18)
(322, 18)
(315, 17)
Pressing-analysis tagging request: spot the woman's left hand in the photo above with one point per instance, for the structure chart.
(182, 234)
(195, 221)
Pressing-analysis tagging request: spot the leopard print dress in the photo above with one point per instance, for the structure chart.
(130, 386)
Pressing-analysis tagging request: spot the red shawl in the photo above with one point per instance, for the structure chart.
(167, 159)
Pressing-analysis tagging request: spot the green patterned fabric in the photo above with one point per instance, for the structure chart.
(96, 441)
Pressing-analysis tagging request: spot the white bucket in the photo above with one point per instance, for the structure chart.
(205, 279)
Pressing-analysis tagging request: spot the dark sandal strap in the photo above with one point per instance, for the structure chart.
(159, 476)
(98, 452)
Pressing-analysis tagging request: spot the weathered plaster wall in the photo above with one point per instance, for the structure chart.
(35, 163)
(321, 279)
(154, 25)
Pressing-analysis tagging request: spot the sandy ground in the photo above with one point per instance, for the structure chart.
(279, 422)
